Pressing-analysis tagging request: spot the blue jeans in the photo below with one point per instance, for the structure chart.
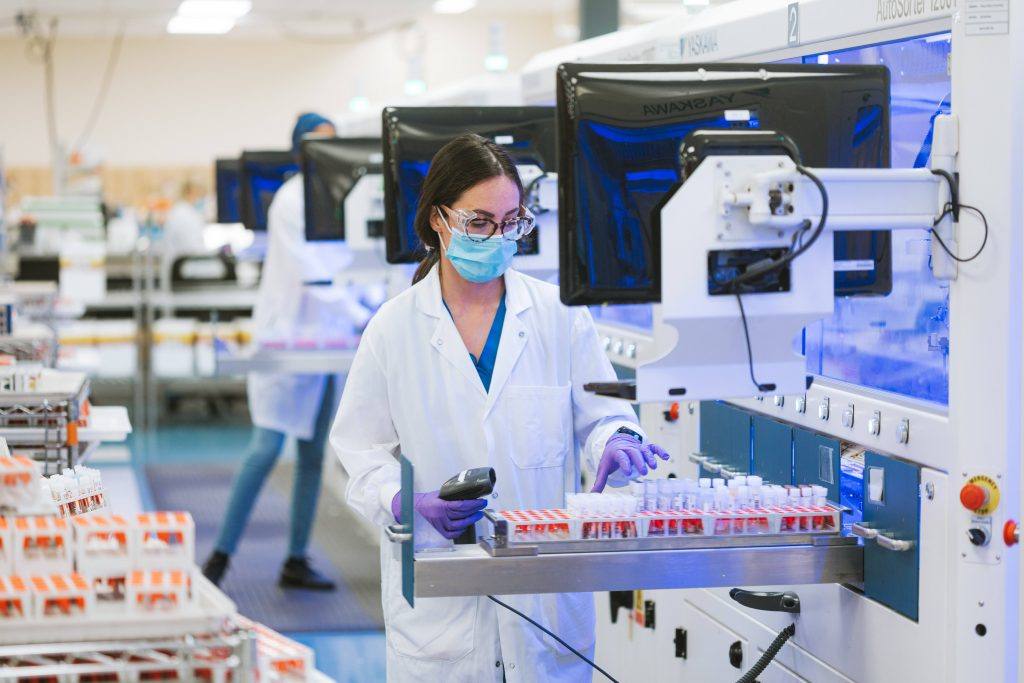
(264, 450)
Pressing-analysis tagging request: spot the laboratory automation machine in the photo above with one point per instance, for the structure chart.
(819, 201)
(413, 135)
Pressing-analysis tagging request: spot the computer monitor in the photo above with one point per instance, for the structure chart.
(331, 168)
(261, 174)
(620, 129)
(412, 135)
(226, 175)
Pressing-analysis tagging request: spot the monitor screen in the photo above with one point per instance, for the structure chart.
(412, 135)
(331, 167)
(620, 128)
(226, 177)
(261, 174)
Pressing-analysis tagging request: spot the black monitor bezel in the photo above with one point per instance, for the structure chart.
(221, 167)
(569, 74)
(368, 164)
(245, 199)
(441, 124)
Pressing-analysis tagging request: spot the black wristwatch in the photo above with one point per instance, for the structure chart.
(629, 432)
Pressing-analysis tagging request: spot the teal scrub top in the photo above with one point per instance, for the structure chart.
(485, 364)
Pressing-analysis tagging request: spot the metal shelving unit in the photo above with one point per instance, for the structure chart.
(217, 657)
(308, 362)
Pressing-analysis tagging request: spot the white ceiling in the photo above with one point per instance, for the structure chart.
(311, 18)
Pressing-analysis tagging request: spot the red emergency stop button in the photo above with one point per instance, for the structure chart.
(1011, 534)
(973, 497)
(672, 414)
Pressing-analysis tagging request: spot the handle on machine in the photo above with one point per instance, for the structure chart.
(787, 601)
(893, 544)
(864, 532)
(698, 459)
(397, 533)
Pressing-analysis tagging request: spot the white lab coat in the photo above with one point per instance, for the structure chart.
(183, 231)
(289, 403)
(413, 389)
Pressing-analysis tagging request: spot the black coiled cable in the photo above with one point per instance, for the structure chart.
(769, 654)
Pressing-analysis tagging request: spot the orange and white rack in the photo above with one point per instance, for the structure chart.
(164, 540)
(279, 659)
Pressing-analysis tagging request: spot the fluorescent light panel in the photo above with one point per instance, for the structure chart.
(200, 25)
(696, 3)
(231, 9)
(453, 6)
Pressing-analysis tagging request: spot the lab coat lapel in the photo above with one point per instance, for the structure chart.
(446, 340)
(448, 343)
(514, 336)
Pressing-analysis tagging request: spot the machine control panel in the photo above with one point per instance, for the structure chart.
(979, 496)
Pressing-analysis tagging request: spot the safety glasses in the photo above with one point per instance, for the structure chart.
(480, 228)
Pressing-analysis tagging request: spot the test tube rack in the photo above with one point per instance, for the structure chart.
(278, 658)
(159, 591)
(164, 540)
(556, 525)
(42, 545)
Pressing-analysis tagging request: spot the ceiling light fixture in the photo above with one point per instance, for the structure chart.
(221, 9)
(200, 25)
(453, 6)
(696, 3)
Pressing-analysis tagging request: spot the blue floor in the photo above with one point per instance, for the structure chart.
(347, 657)
(355, 654)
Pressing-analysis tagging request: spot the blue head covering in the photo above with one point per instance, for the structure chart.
(305, 124)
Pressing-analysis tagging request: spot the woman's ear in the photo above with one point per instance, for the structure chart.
(436, 224)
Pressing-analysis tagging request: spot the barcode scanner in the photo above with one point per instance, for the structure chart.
(469, 484)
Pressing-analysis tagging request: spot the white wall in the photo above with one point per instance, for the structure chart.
(185, 100)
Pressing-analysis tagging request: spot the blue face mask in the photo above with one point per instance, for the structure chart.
(480, 261)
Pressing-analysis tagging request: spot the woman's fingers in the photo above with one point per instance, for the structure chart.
(637, 459)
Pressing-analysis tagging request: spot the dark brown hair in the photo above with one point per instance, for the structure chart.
(459, 165)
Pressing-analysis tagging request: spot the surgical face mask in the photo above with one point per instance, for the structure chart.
(479, 261)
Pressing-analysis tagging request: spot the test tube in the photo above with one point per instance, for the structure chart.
(664, 494)
(718, 483)
(792, 501)
(723, 504)
(689, 494)
(756, 494)
(650, 494)
(740, 479)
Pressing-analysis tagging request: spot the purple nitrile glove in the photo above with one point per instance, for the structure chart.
(449, 517)
(624, 453)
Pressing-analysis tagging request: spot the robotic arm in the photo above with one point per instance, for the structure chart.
(746, 261)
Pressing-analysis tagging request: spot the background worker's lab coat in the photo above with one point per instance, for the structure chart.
(413, 389)
(286, 306)
(183, 231)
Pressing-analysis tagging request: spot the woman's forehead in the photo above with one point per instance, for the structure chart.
(496, 196)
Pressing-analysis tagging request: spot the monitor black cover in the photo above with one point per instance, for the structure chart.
(412, 135)
(262, 173)
(620, 127)
(331, 167)
(226, 176)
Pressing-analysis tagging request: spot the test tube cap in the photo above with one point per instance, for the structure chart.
(754, 480)
(704, 483)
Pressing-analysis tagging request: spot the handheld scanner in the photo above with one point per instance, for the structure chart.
(469, 484)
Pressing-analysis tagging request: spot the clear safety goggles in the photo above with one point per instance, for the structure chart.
(479, 228)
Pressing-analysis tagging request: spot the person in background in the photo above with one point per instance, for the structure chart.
(288, 405)
(477, 365)
(183, 229)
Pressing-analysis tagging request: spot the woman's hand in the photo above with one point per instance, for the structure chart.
(449, 517)
(623, 453)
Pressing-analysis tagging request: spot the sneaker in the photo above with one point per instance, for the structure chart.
(296, 573)
(215, 566)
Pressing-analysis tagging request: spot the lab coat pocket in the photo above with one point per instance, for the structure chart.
(541, 435)
(438, 629)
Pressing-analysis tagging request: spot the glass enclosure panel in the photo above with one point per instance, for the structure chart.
(900, 342)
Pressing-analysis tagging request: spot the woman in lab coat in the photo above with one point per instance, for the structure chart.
(289, 405)
(478, 365)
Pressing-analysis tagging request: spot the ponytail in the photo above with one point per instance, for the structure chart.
(428, 262)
